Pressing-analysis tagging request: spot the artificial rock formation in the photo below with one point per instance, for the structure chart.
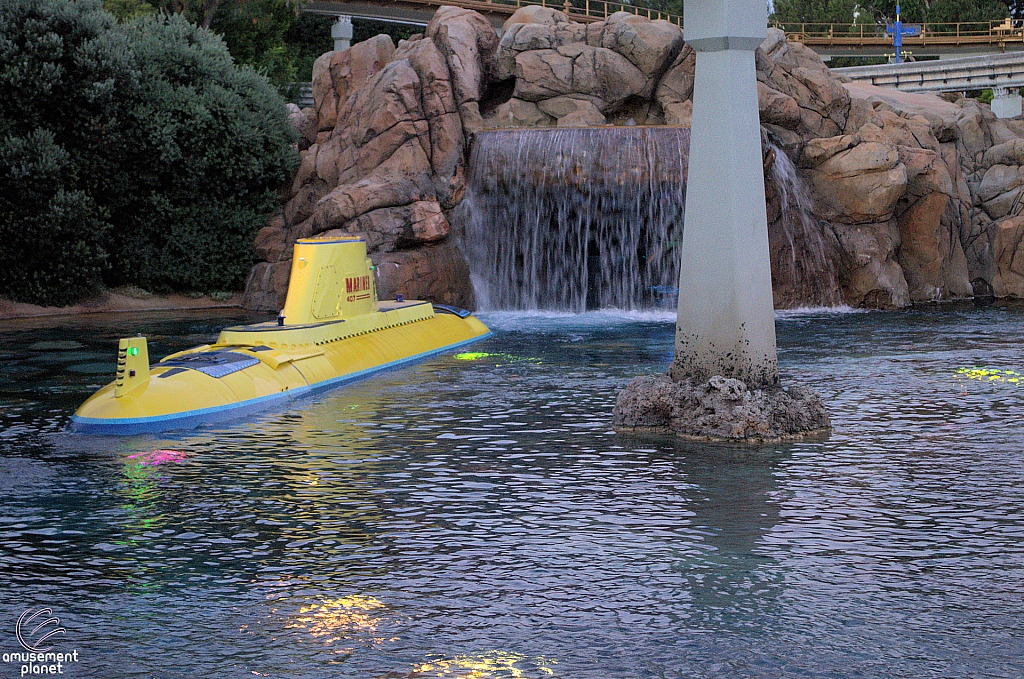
(910, 198)
(383, 156)
(720, 409)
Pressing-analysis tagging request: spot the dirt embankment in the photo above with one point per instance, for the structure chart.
(115, 301)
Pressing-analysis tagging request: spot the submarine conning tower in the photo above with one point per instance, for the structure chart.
(331, 279)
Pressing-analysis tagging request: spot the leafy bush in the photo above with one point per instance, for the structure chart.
(210, 146)
(51, 234)
(136, 154)
(63, 69)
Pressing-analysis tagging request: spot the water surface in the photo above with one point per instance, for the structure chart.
(476, 516)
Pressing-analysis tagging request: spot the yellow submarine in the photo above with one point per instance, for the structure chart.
(332, 330)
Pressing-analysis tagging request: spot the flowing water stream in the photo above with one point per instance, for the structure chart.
(590, 218)
(803, 266)
(475, 516)
(576, 219)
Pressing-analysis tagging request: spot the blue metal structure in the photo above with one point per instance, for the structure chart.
(898, 30)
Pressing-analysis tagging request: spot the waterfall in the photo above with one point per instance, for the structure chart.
(576, 219)
(584, 218)
(803, 270)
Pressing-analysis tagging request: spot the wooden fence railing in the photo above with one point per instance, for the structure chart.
(594, 10)
(997, 33)
(585, 11)
(964, 33)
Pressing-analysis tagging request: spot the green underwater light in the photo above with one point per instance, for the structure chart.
(991, 375)
(477, 355)
(473, 355)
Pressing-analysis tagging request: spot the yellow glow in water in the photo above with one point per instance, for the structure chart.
(472, 355)
(490, 665)
(339, 618)
(991, 375)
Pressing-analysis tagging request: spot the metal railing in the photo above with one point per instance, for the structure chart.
(996, 33)
(934, 34)
(584, 11)
(594, 10)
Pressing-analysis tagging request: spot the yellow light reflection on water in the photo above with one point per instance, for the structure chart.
(490, 665)
(341, 618)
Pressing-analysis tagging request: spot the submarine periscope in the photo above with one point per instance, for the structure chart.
(332, 330)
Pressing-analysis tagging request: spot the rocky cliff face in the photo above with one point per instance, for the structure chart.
(911, 198)
(383, 155)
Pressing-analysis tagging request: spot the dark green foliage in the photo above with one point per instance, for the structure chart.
(364, 29)
(64, 70)
(818, 11)
(258, 33)
(912, 11)
(953, 11)
(136, 154)
(306, 39)
(254, 32)
(209, 148)
(51, 233)
(129, 9)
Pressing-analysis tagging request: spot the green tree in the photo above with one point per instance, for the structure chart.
(952, 11)
(52, 233)
(815, 11)
(129, 9)
(64, 70)
(307, 39)
(911, 11)
(254, 32)
(129, 153)
(210, 146)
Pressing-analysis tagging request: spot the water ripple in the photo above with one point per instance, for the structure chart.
(476, 516)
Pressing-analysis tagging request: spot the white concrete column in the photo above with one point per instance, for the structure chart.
(341, 31)
(1006, 103)
(726, 323)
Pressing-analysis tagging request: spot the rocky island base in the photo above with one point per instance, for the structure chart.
(720, 409)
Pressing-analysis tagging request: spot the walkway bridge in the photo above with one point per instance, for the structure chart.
(1002, 73)
(828, 40)
(419, 12)
(934, 39)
